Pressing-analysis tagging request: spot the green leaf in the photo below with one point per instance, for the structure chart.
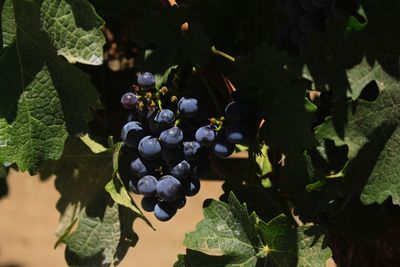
(101, 238)
(7, 27)
(280, 96)
(287, 246)
(228, 236)
(39, 108)
(372, 138)
(81, 176)
(228, 230)
(74, 30)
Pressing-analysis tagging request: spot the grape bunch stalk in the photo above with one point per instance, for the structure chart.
(166, 147)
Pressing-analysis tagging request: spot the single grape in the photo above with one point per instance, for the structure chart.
(321, 3)
(149, 147)
(133, 185)
(132, 133)
(222, 148)
(145, 79)
(140, 168)
(179, 203)
(191, 187)
(235, 112)
(191, 150)
(205, 135)
(236, 133)
(171, 155)
(180, 170)
(294, 11)
(312, 23)
(168, 188)
(163, 211)
(164, 119)
(129, 100)
(148, 203)
(172, 137)
(147, 185)
(188, 106)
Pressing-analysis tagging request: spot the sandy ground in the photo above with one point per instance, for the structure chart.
(28, 221)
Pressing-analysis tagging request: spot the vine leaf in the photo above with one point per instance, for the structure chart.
(372, 136)
(81, 178)
(287, 246)
(233, 238)
(41, 103)
(74, 30)
(281, 96)
(101, 239)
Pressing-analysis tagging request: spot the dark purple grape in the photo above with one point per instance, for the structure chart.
(178, 203)
(148, 203)
(145, 79)
(205, 136)
(164, 119)
(149, 147)
(140, 168)
(132, 133)
(191, 150)
(222, 148)
(168, 188)
(147, 185)
(172, 137)
(188, 107)
(171, 155)
(180, 170)
(236, 133)
(321, 3)
(312, 23)
(191, 187)
(129, 100)
(235, 112)
(133, 183)
(163, 211)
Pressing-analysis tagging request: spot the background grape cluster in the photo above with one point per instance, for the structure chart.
(167, 141)
(308, 17)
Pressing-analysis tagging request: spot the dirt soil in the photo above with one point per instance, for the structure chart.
(28, 221)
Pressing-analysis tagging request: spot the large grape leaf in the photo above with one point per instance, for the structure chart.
(373, 138)
(287, 246)
(228, 236)
(280, 96)
(44, 97)
(101, 239)
(104, 227)
(228, 230)
(74, 30)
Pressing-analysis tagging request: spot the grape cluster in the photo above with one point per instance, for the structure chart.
(307, 17)
(168, 146)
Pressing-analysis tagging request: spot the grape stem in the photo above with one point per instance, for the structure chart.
(210, 91)
(222, 54)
